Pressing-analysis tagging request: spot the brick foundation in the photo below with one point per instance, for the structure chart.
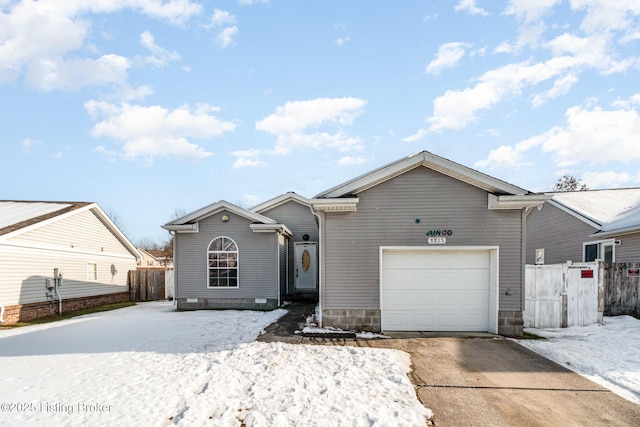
(27, 312)
(510, 323)
(352, 320)
(226, 304)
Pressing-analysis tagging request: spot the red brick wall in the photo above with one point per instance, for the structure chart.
(27, 312)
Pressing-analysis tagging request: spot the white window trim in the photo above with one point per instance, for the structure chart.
(237, 265)
(601, 244)
(92, 279)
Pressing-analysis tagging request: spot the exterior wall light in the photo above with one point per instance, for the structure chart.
(225, 218)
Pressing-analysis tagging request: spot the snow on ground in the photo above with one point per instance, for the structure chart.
(607, 354)
(150, 365)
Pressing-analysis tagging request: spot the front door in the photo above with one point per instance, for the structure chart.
(306, 267)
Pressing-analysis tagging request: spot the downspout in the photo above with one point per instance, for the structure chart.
(278, 266)
(320, 263)
(175, 268)
(525, 214)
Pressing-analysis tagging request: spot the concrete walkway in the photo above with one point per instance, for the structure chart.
(486, 380)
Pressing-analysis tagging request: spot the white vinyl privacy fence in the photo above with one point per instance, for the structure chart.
(562, 295)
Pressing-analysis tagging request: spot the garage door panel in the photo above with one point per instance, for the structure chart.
(436, 291)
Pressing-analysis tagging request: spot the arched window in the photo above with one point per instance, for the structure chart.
(222, 256)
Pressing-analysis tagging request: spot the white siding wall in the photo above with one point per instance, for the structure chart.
(28, 259)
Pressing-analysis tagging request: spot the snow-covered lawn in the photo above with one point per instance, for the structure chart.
(607, 354)
(150, 365)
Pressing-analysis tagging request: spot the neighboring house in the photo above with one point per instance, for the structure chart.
(422, 244)
(91, 254)
(165, 258)
(149, 261)
(585, 225)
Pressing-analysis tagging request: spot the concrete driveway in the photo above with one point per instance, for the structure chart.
(494, 381)
(485, 380)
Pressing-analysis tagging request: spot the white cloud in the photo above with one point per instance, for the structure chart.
(247, 158)
(530, 10)
(37, 38)
(352, 161)
(607, 15)
(572, 55)
(591, 135)
(295, 116)
(595, 136)
(448, 56)
(503, 157)
(160, 56)
(29, 143)
(111, 155)
(560, 87)
(57, 155)
(470, 6)
(222, 18)
(340, 41)
(74, 74)
(609, 179)
(293, 124)
(224, 22)
(154, 131)
(225, 38)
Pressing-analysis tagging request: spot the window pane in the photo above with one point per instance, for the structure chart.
(229, 245)
(233, 281)
(216, 245)
(591, 252)
(608, 253)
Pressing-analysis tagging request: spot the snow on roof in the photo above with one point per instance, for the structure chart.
(612, 209)
(14, 212)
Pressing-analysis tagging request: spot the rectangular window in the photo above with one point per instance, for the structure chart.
(603, 250)
(590, 252)
(92, 271)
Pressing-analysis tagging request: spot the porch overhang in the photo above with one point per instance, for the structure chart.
(347, 204)
(182, 228)
(518, 201)
(271, 228)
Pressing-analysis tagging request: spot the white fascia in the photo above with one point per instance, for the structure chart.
(519, 201)
(335, 205)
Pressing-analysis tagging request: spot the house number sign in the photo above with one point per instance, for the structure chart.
(438, 237)
(437, 240)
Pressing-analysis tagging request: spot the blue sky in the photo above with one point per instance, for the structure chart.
(149, 107)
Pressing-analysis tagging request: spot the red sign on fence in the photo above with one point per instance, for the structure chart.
(586, 274)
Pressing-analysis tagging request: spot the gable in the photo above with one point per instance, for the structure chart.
(431, 161)
(81, 232)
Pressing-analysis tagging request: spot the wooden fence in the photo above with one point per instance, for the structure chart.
(147, 285)
(621, 289)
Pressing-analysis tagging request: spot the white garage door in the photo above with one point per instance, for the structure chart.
(436, 290)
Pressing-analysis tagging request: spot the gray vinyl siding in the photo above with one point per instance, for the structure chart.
(257, 260)
(299, 219)
(629, 248)
(27, 260)
(559, 233)
(386, 216)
